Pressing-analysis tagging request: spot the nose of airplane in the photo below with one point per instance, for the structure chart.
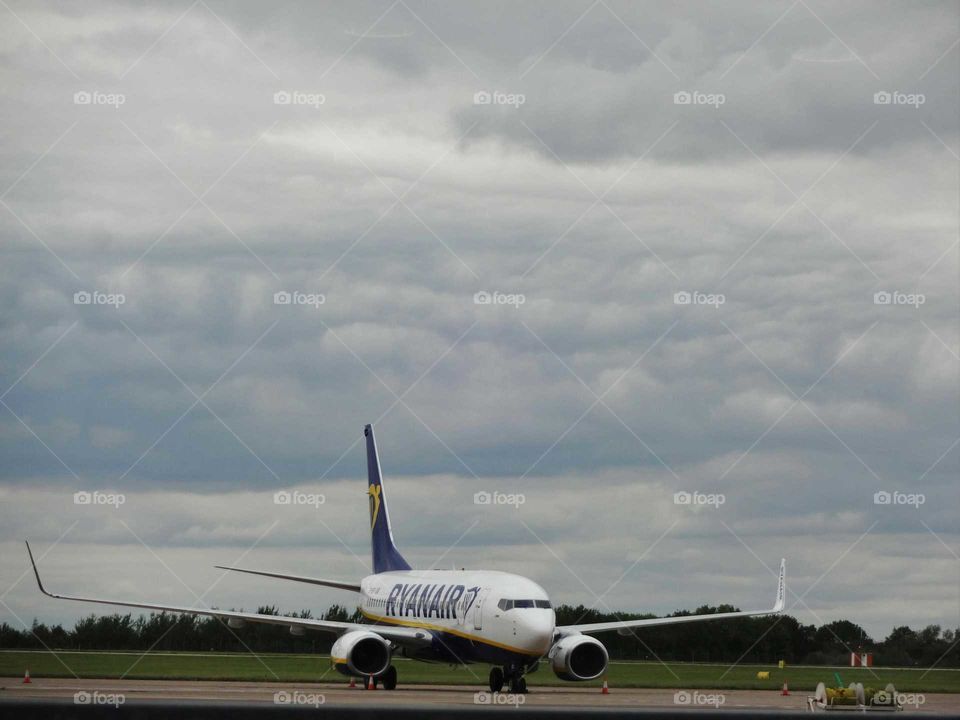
(536, 627)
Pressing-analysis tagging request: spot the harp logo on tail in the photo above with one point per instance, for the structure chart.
(374, 492)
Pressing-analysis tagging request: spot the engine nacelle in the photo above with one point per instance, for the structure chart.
(578, 657)
(360, 653)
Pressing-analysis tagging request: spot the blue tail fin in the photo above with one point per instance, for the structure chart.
(385, 554)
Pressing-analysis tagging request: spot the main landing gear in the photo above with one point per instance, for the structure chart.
(513, 677)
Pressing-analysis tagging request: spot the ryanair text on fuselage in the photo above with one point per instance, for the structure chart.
(428, 601)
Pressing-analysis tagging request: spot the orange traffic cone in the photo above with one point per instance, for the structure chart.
(353, 682)
(371, 685)
(605, 690)
(26, 677)
(785, 691)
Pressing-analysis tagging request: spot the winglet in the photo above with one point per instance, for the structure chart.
(781, 587)
(35, 571)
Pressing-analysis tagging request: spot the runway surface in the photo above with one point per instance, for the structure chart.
(334, 694)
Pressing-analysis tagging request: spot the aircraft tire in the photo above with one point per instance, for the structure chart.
(496, 679)
(518, 685)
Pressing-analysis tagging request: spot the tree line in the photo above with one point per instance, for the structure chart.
(748, 640)
(769, 639)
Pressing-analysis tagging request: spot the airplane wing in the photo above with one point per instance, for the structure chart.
(296, 578)
(624, 626)
(399, 635)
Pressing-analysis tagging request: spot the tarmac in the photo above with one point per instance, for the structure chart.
(107, 692)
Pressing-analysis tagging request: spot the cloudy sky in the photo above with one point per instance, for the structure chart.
(719, 245)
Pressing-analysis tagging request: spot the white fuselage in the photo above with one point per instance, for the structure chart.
(474, 616)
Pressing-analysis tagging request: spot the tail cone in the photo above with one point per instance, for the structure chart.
(26, 677)
(785, 691)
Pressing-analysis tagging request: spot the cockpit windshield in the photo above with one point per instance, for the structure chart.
(505, 604)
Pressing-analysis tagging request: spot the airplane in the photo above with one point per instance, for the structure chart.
(450, 616)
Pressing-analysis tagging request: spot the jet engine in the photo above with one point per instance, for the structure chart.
(578, 657)
(360, 653)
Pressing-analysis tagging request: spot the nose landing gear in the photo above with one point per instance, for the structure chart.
(518, 685)
(512, 676)
(496, 679)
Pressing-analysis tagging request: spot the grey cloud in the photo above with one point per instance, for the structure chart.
(304, 204)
